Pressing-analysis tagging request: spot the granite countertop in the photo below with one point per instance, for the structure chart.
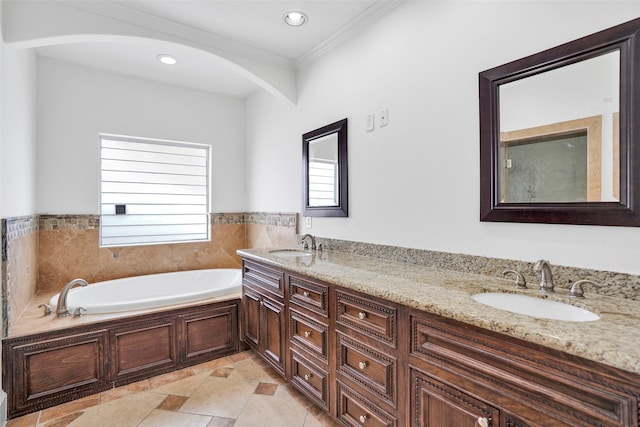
(612, 340)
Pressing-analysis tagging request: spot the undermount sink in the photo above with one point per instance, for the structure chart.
(535, 307)
(290, 253)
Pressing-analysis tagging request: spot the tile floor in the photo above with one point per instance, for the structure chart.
(238, 390)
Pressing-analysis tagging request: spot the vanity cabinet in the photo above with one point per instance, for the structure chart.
(483, 378)
(370, 362)
(264, 312)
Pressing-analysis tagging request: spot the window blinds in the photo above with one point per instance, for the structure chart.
(153, 191)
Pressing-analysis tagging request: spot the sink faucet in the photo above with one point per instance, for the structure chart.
(546, 279)
(308, 242)
(62, 309)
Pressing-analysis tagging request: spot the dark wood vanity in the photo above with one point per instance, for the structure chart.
(367, 361)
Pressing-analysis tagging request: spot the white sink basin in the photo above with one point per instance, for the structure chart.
(290, 253)
(535, 307)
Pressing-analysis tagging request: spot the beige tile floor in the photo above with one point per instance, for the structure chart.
(239, 391)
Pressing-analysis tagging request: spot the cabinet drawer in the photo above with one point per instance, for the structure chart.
(264, 277)
(372, 370)
(310, 379)
(310, 295)
(309, 334)
(354, 410)
(366, 316)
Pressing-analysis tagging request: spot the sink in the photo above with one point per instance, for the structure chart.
(290, 253)
(535, 307)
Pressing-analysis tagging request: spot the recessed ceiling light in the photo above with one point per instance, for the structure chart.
(166, 59)
(295, 18)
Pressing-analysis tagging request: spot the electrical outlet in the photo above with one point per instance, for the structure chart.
(308, 220)
(369, 122)
(383, 117)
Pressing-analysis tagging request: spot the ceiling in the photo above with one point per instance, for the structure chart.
(253, 29)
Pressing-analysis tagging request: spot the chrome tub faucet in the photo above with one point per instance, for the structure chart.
(62, 309)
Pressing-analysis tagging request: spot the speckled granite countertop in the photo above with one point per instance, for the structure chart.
(613, 340)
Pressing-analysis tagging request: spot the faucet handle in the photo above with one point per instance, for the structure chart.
(576, 289)
(78, 311)
(519, 281)
(47, 309)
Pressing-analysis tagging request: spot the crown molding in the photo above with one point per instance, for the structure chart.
(373, 13)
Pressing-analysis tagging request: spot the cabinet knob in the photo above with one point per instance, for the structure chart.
(483, 422)
(305, 294)
(307, 334)
(261, 302)
(363, 418)
(362, 315)
(307, 377)
(362, 365)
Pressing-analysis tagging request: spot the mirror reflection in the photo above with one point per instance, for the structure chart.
(323, 171)
(558, 137)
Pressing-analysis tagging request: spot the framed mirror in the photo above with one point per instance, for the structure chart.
(324, 171)
(559, 133)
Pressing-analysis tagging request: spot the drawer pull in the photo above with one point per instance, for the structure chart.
(307, 334)
(483, 422)
(305, 294)
(362, 365)
(363, 418)
(307, 377)
(362, 315)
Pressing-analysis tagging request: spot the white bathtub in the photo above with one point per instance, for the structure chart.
(151, 291)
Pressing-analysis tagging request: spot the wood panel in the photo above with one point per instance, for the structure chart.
(45, 369)
(205, 334)
(40, 373)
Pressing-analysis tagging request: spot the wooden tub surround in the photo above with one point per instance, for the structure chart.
(378, 343)
(44, 369)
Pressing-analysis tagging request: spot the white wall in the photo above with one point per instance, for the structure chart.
(18, 121)
(76, 103)
(415, 183)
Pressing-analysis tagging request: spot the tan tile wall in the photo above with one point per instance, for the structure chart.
(43, 253)
(19, 265)
(71, 253)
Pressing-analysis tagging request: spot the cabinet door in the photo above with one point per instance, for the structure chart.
(273, 344)
(251, 318)
(435, 404)
(208, 333)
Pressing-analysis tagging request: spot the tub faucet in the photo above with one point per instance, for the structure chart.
(62, 309)
(546, 279)
(308, 242)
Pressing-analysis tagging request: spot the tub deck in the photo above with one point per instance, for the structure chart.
(32, 319)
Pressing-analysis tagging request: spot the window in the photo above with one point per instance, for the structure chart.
(153, 191)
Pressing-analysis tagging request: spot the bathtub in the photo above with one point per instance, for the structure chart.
(152, 291)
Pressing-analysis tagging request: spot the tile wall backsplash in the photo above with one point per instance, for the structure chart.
(19, 265)
(44, 252)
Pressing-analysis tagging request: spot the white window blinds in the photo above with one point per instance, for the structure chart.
(153, 191)
(323, 188)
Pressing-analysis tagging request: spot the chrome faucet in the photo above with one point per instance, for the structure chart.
(546, 279)
(308, 242)
(62, 309)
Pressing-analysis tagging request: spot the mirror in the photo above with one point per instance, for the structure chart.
(557, 134)
(324, 171)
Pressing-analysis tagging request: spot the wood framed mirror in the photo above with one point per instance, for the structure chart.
(559, 133)
(324, 171)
